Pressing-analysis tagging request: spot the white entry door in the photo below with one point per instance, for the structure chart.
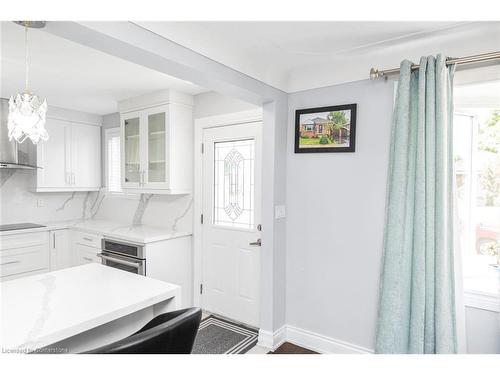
(231, 221)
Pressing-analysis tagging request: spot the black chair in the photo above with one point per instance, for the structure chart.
(170, 333)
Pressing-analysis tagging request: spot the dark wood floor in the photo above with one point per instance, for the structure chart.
(287, 348)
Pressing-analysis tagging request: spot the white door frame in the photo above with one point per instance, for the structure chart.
(200, 124)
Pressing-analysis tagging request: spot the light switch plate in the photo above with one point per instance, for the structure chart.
(40, 202)
(279, 212)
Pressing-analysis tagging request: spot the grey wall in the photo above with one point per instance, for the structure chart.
(213, 104)
(335, 210)
(111, 120)
(335, 224)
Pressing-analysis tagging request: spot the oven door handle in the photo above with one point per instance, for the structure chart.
(116, 260)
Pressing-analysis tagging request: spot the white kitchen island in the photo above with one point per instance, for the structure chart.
(79, 308)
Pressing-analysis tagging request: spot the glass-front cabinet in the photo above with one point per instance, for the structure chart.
(153, 160)
(131, 143)
(145, 151)
(157, 148)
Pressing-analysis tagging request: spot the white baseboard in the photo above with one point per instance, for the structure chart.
(322, 344)
(309, 340)
(272, 340)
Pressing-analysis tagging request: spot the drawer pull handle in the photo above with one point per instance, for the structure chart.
(87, 259)
(11, 262)
(87, 239)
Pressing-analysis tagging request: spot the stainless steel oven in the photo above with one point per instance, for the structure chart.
(124, 256)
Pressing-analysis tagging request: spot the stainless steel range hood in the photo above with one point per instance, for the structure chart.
(12, 154)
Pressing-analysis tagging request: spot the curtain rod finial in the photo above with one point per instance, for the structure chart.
(374, 74)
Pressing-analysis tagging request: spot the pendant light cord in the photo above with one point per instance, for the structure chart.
(26, 54)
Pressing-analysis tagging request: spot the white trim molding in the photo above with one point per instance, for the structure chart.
(483, 301)
(309, 340)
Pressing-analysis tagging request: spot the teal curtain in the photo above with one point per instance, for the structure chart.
(417, 297)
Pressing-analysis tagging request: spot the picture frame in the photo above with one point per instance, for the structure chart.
(326, 129)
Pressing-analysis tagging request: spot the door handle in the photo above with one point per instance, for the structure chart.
(256, 243)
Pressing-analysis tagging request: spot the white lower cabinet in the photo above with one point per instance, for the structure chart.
(85, 247)
(86, 254)
(24, 254)
(61, 255)
(172, 261)
(31, 253)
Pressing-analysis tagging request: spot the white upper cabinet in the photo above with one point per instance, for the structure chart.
(71, 159)
(53, 156)
(157, 143)
(86, 156)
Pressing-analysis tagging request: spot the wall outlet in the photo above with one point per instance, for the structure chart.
(40, 202)
(279, 212)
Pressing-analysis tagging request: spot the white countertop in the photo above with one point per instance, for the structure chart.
(142, 234)
(43, 309)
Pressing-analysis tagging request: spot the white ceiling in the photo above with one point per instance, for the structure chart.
(294, 56)
(73, 76)
(291, 56)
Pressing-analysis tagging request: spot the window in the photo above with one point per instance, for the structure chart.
(320, 128)
(113, 165)
(234, 164)
(477, 172)
(309, 128)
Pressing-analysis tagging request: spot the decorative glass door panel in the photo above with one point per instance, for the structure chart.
(234, 164)
(132, 150)
(157, 151)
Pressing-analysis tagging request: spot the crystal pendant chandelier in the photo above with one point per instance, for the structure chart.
(26, 110)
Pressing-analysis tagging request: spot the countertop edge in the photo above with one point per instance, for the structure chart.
(101, 320)
(105, 233)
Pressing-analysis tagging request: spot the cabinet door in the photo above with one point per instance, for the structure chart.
(132, 175)
(60, 250)
(157, 149)
(54, 156)
(86, 156)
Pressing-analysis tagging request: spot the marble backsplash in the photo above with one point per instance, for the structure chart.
(19, 204)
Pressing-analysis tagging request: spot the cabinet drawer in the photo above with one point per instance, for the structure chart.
(88, 239)
(86, 254)
(24, 259)
(14, 241)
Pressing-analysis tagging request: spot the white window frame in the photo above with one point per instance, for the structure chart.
(475, 298)
(108, 133)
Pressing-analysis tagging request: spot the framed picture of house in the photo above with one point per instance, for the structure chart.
(326, 129)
